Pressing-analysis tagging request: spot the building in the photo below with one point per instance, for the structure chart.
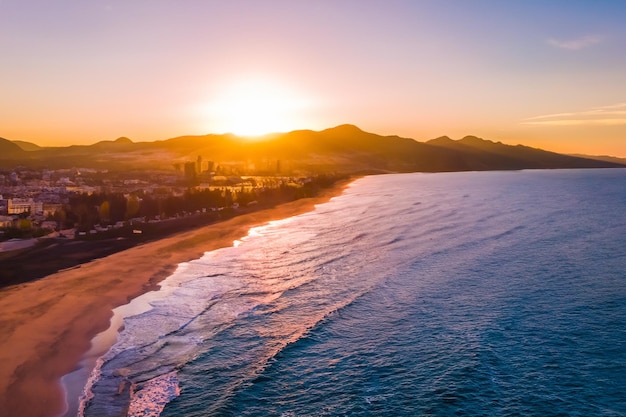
(50, 209)
(6, 221)
(190, 170)
(24, 205)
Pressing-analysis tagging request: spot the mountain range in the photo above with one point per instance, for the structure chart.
(344, 148)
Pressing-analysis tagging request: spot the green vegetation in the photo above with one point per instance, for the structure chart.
(84, 211)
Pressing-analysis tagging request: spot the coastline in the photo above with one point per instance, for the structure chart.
(48, 324)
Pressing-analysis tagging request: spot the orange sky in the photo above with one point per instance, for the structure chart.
(545, 74)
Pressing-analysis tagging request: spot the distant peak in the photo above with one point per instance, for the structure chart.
(441, 139)
(6, 146)
(347, 128)
(475, 140)
(122, 140)
(471, 138)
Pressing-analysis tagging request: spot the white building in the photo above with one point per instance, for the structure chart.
(6, 221)
(24, 205)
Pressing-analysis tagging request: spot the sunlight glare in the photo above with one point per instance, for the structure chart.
(256, 107)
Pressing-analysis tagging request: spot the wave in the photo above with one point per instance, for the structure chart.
(229, 319)
(150, 399)
(256, 366)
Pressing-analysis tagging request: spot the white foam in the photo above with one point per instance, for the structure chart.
(150, 399)
(87, 393)
(167, 327)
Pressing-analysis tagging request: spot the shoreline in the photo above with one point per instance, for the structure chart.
(48, 324)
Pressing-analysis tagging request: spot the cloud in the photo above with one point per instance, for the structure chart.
(579, 122)
(612, 115)
(612, 106)
(576, 44)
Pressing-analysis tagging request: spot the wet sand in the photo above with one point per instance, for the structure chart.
(46, 326)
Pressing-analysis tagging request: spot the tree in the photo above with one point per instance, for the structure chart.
(61, 217)
(105, 211)
(132, 207)
(24, 224)
(118, 207)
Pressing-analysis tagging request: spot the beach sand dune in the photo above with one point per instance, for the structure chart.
(46, 326)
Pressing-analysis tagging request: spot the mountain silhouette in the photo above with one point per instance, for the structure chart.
(344, 148)
(480, 154)
(27, 146)
(607, 158)
(119, 144)
(8, 148)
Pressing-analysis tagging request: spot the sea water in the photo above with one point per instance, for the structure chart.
(449, 294)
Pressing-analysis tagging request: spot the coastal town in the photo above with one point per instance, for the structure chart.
(87, 203)
(65, 217)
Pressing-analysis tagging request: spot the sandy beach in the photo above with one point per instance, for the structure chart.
(47, 325)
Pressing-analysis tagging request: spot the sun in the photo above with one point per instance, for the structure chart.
(255, 107)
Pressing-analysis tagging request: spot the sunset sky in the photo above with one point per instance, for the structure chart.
(550, 74)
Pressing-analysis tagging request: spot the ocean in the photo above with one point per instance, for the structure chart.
(447, 294)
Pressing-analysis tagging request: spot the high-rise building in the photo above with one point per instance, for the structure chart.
(190, 170)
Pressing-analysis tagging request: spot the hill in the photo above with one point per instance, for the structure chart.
(606, 158)
(27, 146)
(8, 148)
(480, 154)
(344, 148)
